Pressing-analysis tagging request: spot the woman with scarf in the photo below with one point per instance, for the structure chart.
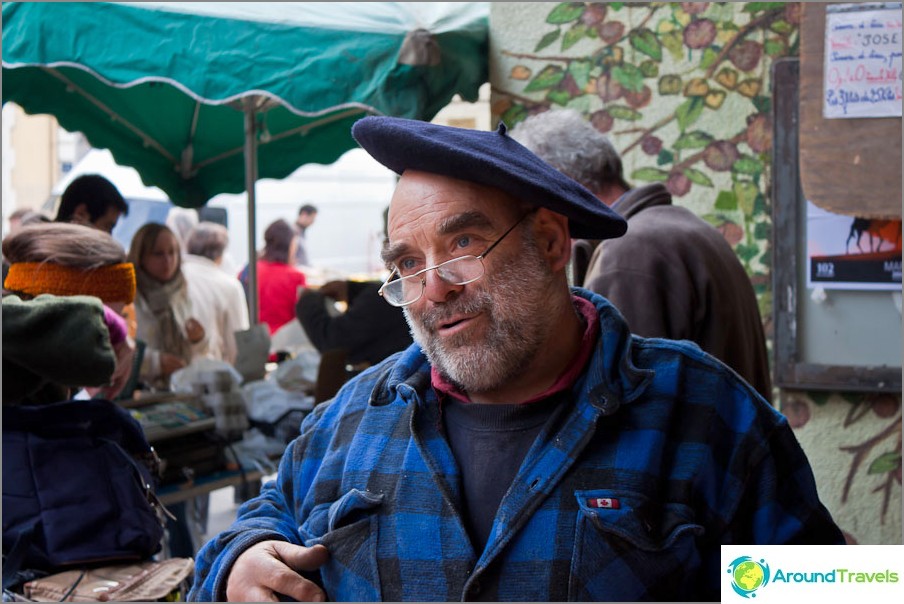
(166, 321)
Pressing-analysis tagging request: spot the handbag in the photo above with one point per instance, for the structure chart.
(146, 581)
(78, 488)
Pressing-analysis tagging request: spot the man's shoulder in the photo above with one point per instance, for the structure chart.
(210, 273)
(684, 372)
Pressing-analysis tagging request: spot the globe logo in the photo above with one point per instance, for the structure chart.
(748, 575)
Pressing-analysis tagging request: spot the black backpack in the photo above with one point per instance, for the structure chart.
(78, 488)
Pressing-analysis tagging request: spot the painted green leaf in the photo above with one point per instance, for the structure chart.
(665, 157)
(762, 231)
(757, 7)
(580, 71)
(629, 76)
(693, 140)
(746, 192)
(689, 112)
(781, 27)
(616, 5)
(747, 165)
(887, 462)
(710, 55)
(513, 115)
(747, 251)
(566, 12)
(574, 35)
(650, 175)
(548, 39)
(759, 204)
(621, 112)
(726, 201)
(645, 41)
(697, 177)
(583, 103)
(721, 11)
(674, 43)
(774, 48)
(649, 69)
(559, 97)
(763, 104)
(547, 78)
(670, 84)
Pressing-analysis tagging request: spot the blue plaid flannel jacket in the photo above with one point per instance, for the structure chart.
(627, 493)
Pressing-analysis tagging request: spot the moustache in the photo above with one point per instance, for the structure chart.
(432, 318)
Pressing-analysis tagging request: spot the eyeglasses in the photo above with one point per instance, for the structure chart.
(403, 291)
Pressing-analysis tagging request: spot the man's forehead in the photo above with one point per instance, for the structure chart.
(446, 198)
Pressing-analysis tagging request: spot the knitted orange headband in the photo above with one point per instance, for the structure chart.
(114, 283)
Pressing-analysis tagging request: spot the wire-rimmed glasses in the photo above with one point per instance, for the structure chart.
(402, 291)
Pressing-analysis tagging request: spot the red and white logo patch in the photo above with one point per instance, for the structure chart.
(607, 503)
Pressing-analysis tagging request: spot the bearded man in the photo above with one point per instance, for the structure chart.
(526, 446)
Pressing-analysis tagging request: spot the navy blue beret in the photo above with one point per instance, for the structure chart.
(492, 159)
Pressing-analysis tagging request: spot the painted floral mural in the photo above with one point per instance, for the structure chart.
(658, 78)
(683, 91)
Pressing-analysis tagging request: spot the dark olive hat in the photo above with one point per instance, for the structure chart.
(492, 159)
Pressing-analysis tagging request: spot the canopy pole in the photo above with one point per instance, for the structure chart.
(250, 180)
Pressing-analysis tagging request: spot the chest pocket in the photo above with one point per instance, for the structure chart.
(348, 528)
(629, 548)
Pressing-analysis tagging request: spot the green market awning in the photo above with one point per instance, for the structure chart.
(165, 85)
(205, 98)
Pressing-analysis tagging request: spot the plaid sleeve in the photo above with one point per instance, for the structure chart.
(269, 516)
(780, 503)
(266, 517)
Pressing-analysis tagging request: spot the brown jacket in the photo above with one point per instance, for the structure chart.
(675, 276)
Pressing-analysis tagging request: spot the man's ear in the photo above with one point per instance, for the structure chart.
(80, 215)
(553, 239)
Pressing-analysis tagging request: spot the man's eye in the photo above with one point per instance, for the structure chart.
(463, 241)
(407, 266)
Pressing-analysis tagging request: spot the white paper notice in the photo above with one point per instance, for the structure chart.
(863, 61)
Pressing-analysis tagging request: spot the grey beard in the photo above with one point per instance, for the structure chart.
(515, 333)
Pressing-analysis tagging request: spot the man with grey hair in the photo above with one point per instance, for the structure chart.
(219, 299)
(181, 221)
(672, 275)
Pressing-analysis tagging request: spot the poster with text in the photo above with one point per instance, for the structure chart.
(863, 60)
(845, 252)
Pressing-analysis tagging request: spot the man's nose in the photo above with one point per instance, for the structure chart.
(436, 289)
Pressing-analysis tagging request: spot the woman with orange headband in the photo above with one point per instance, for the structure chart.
(80, 484)
(70, 261)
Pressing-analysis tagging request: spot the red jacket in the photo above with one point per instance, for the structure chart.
(277, 292)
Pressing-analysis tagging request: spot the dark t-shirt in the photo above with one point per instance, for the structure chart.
(489, 442)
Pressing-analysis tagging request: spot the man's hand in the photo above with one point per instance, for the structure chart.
(170, 363)
(337, 290)
(270, 568)
(194, 330)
